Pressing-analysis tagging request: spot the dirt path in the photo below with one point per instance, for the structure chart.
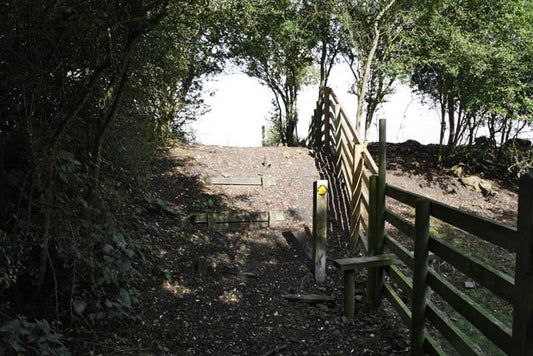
(221, 292)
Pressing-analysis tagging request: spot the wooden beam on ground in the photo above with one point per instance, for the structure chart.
(264, 181)
(309, 298)
(233, 220)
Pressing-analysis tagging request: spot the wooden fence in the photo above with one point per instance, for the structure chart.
(331, 128)
(408, 285)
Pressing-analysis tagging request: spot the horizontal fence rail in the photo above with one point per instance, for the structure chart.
(510, 339)
(415, 289)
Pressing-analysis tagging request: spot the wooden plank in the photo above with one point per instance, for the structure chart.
(349, 293)
(497, 282)
(491, 231)
(364, 242)
(380, 211)
(420, 273)
(343, 170)
(369, 162)
(403, 225)
(346, 164)
(357, 138)
(402, 195)
(433, 348)
(231, 217)
(351, 263)
(430, 345)
(274, 217)
(397, 303)
(349, 128)
(364, 199)
(236, 226)
(333, 122)
(523, 304)
(327, 94)
(490, 326)
(400, 251)
(234, 180)
(309, 298)
(372, 238)
(453, 334)
(347, 131)
(267, 181)
(401, 280)
(347, 147)
(238, 217)
(355, 201)
(199, 218)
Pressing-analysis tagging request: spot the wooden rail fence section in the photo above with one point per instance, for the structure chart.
(331, 128)
(414, 277)
(513, 339)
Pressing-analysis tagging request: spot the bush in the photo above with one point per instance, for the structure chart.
(34, 337)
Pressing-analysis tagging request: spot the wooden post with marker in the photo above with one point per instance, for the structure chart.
(320, 229)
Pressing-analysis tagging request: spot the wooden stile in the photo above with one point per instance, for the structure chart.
(367, 192)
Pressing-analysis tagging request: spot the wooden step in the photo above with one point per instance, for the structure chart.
(264, 181)
(232, 220)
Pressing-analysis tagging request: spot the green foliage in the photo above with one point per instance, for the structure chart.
(109, 291)
(274, 39)
(272, 136)
(89, 91)
(373, 43)
(206, 204)
(20, 336)
(474, 62)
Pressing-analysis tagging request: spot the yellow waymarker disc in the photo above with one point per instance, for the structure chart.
(322, 190)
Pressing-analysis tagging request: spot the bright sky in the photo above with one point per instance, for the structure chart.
(240, 107)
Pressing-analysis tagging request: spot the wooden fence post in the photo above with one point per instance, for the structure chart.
(326, 116)
(420, 273)
(380, 211)
(372, 237)
(356, 191)
(382, 178)
(376, 220)
(320, 229)
(523, 303)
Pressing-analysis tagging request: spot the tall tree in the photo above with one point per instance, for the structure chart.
(473, 62)
(87, 88)
(274, 42)
(329, 34)
(373, 48)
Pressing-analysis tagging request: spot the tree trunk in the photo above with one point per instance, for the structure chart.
(362, 88)
(443, 102)
(451, 120)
